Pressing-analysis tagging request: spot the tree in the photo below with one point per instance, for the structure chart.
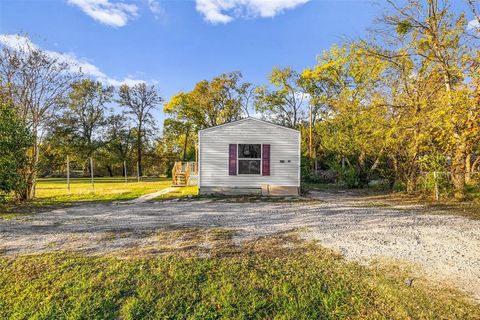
(120, 139)
(84, 118)
(140, 100)
(246, 94)
(354, 120)
(223, 99)
(220, 100)
(474, 25)
(473, 152)
(433, 32)
(284, 102)
(35, 82)
(15, 139)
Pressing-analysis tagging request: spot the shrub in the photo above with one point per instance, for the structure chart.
(15, 139)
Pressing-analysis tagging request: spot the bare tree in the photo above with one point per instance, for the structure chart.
(140, 100)
(36, 82)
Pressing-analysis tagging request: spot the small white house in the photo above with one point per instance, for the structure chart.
(249, 156)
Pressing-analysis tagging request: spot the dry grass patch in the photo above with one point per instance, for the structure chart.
(469, 209)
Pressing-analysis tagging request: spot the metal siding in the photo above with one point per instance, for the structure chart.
(284, 146)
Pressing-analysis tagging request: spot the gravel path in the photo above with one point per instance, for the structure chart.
(446, 246)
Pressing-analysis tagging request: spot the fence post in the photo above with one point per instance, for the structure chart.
(91, 173)
(125, 170)
(138, 171)
(437, 195)
(68, 174)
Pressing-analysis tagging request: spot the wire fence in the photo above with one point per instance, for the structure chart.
(89, 169)
(440, 183)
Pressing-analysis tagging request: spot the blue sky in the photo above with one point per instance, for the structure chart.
(175, 44)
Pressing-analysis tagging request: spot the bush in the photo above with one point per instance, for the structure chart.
(351, 177)
(14, 140)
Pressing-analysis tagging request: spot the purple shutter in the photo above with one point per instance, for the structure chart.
(266, 160)
(232, 160)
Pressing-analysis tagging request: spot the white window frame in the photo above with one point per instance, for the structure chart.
(261, 161)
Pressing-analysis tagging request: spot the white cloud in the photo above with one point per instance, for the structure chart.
(114, 14)
(224, 11)
(474, 25)
(156, 8)
(77, 64)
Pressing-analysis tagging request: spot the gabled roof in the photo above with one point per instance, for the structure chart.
(249, 119)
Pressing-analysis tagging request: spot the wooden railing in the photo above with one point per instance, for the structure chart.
(187, 174)
(174, 172)
(182, 171)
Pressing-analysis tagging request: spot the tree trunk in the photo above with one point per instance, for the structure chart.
(185, 145)
(30, 174)
(362, 171)
(86, 168)
(109, 168)
(468, 167)
(476, 164)
(458, 170)
(28, 192)
(139, 159)
(139, 151)
(124, 168)
(411, 184)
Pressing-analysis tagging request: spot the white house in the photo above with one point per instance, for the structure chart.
(249, 156)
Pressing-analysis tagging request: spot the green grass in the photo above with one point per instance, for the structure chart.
(264, 280)
(473, 192)
(179, 192)
(53, 192)
(106, 189)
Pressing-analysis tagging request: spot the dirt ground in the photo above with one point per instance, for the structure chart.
(444, 247)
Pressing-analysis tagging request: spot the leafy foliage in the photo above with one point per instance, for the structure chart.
(139, 101)
(284, 103)
(15, 139)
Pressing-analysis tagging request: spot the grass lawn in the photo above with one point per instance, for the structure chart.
(179, 192)
(266, 279)
(53, 192)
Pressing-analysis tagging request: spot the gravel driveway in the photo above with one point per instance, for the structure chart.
(447, 247)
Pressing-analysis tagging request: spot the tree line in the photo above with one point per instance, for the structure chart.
(396, 107)
(50, 110)
(400, 106)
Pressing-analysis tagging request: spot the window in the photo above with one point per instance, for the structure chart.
(249, 158)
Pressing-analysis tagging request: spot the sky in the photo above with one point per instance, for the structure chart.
(176, 43)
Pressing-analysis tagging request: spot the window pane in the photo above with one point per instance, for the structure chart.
(249, 166)
(249, 151)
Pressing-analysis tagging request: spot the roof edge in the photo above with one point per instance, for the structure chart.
(248, 118)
